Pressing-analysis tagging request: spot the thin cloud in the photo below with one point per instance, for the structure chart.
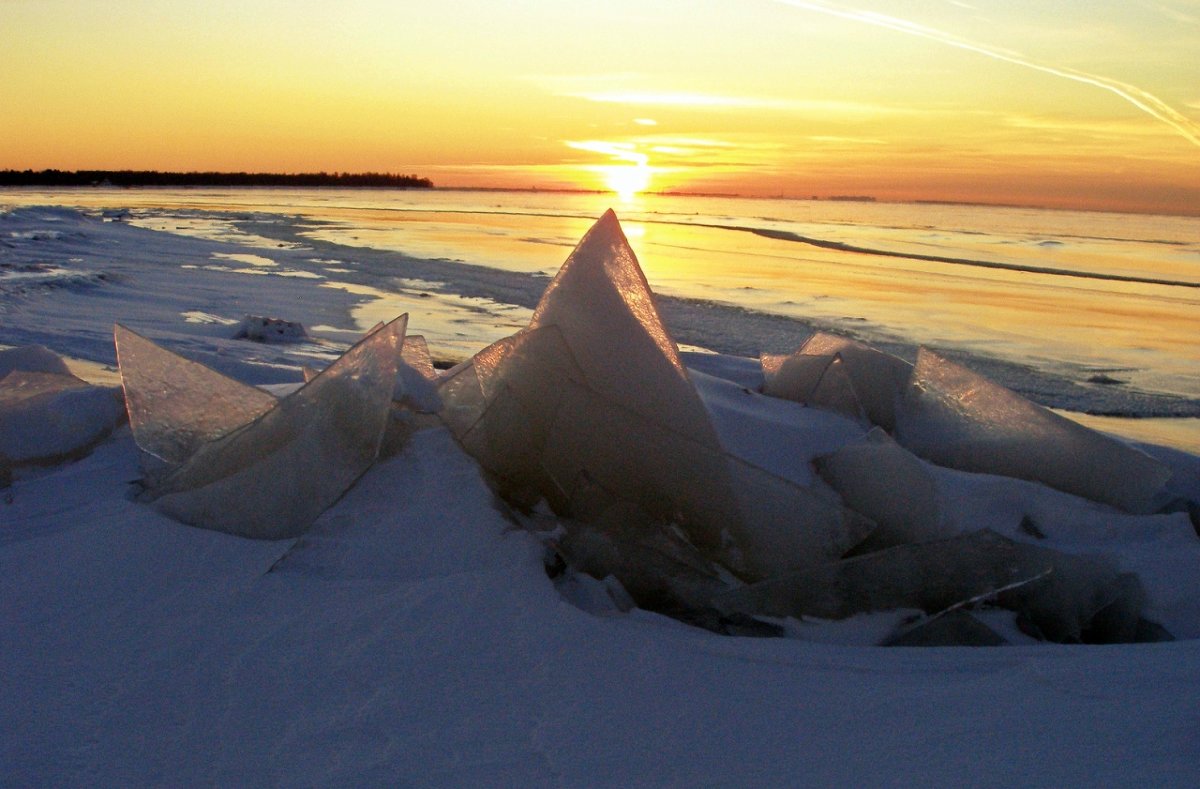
(716, 101)
(837, 140)
(1143, 100)
(1100, 129)
(1174, 13)
(624, 152)
(656, 99)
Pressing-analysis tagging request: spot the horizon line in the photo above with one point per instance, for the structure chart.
(840, 198)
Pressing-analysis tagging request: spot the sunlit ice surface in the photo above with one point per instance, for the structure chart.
(718, 250)
(1112, 326)
(455, 327)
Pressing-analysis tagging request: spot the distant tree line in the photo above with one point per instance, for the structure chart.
(158, 178)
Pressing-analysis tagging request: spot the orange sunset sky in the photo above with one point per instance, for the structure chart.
(1092, 104)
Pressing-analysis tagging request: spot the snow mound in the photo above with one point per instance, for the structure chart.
(48, 415)
(32, 359)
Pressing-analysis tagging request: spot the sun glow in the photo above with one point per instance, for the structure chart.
(627, 180)
(1013, 103)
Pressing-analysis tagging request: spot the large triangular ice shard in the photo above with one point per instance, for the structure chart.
(175, 405)
(524, 409)
(593, 394)
(604, 307)
(879, 378)
(270, 479)
(957, 418)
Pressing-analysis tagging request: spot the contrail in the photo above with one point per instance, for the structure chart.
(1146, 102)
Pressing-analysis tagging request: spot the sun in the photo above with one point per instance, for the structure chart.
(627, 180)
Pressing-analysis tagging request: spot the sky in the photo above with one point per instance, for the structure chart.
(1078, 103)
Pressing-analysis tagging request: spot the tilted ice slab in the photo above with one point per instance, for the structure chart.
(1068, 598)
(416, 379)
(593, 393)
(176, 405)
(891, 486)
(840, 374)
(272, 477)
(816, 380)
(957, 418)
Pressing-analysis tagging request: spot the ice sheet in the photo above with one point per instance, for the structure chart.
(817, 380)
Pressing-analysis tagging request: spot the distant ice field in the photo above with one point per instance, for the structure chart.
(1086, 312)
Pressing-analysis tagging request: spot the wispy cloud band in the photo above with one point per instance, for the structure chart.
(1143, 100)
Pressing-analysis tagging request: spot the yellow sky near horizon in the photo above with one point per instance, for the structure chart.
(1090, 104)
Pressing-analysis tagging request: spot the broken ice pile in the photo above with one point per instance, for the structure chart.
(230, 457)
(47, 415)
(591, 410)
(943, 415)
(954, 417)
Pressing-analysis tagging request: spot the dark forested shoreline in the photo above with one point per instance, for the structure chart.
(160, 178)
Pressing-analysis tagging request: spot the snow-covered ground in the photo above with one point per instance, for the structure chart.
(413, 636)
